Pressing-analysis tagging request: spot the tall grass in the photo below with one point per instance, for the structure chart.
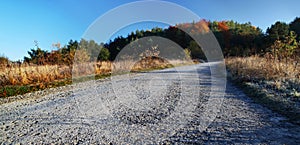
(24, 75)
(20, 79)
(262, 68)
(274, 83)
(34, 74)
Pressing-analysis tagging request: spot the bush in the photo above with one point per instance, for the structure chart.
(3, 61)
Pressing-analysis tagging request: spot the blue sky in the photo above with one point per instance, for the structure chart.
(51, 21)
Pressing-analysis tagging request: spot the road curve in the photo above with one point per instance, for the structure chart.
(184, 105)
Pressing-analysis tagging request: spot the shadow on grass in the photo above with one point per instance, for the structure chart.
(279, 106)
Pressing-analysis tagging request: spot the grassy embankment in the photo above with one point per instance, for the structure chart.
(272, 83)
(18, 80)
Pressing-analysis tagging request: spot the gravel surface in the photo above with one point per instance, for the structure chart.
(182, 105)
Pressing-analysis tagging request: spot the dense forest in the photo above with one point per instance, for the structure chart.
(236, 39)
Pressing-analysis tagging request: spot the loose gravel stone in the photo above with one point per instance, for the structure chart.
(149, 108)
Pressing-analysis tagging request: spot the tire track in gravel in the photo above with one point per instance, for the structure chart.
(163, 110)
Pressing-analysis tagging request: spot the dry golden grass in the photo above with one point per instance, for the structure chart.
(255, 67)
(25, 75)
(270, 82)
(33, 74)
(150, 63)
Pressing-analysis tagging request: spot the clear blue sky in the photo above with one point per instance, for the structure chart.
(51, 21)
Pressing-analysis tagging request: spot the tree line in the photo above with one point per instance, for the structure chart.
(236, 39)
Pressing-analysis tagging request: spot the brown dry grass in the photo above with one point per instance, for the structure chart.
(255, 67)
(33, 74)
(270, 82)
(24, 75)
(24, 78)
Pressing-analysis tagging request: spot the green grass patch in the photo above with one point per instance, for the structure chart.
(8, 91)
(13, 90)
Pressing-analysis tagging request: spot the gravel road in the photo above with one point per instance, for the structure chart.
(182, 105)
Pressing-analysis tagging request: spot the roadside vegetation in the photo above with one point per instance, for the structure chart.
(17, 80)
(264, 64)
(273, 84)
(272, 78)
